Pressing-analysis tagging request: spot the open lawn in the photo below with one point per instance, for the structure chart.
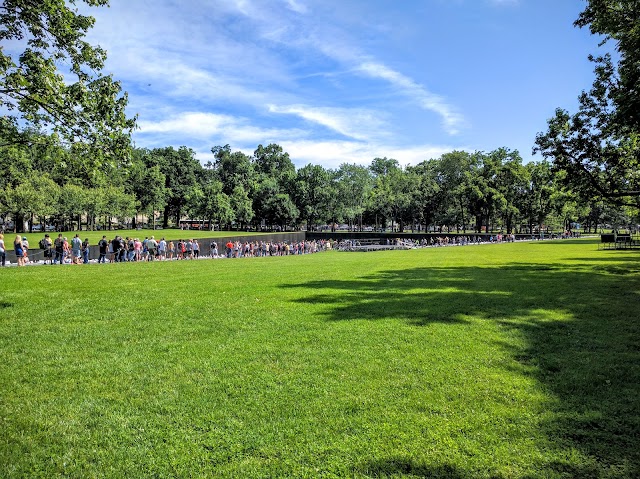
(495, 361)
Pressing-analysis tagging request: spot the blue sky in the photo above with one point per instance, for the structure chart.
(336, 81)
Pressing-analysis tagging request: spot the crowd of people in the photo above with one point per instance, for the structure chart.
(129, 249)
(239, 249)
(465, 240)
(435, 241)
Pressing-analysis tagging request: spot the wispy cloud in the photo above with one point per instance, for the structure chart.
(204, 130)
(243, 72)
(451, 118)
(331, 154)
(216, 128)
(243, 6)
(297, 6)
(359, 124)
(334, 45)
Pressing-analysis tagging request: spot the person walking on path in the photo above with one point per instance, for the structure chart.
(103, 244)
(76, 248)
(152, 246)
(85, 251)
(46, 244)
(58, 246)
(25, 250)
(17, 248)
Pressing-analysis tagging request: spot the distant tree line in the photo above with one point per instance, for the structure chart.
(46, 182)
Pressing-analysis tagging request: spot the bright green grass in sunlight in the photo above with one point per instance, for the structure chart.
(491, 361)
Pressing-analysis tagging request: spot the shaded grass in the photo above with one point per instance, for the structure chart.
(491, 361)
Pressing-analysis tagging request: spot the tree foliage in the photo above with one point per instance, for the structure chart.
(617, 21)
(454, 192)
(599, 145)
(78, 103)
(353, 186)
(313, 193)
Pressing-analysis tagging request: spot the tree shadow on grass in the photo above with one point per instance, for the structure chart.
(617, 258)
(589, 360)
(557, 241)
(613, 264)
(395, 466)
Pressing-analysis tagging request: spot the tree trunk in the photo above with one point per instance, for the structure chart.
(18, 219)
(178, 215)
(165, 218)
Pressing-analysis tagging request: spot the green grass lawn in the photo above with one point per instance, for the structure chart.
(496, 361)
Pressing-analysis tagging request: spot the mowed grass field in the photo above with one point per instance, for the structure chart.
(491, 361)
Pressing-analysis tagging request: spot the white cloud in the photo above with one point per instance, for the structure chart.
(297, 7)
(184, 64)
(194, 43)
(357, 123)
(243, 6)
(208, 129)
(214, 128)
(192, 124)
(331, 154)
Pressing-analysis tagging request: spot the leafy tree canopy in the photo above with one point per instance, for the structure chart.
(599, 146)
(50, 78)
(619, 22)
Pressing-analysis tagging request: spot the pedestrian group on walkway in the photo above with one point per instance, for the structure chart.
(119, 249)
